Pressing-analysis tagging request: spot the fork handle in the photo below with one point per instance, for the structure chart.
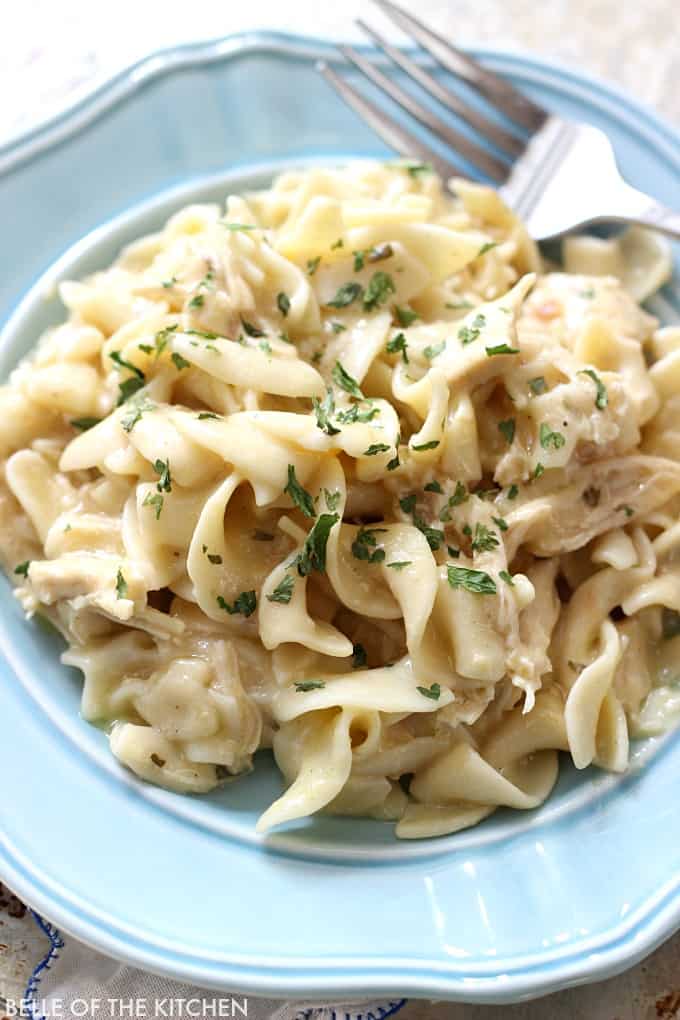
(633, 206)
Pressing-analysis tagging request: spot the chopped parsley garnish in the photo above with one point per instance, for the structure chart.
(252, 330)
(353, 415)
(549, 438)
(214, 558)
(507, 429)
(167, 284)
(283, 303)
(433, 350)
(537, 385)
(309, 685)
(505, 576)
(162, 336)
(323, 411)
(198, 332)
(313, 264)
(434, 536)
(338, 327)
(266, 347)
(404, 315)
(205, 415)
(299, 495)
(538, 470)
(398, 345)
(589, 292)
(332, 499)
(375, 448)
(458, 306)
(380, 287)
(22, 568)
(154, 499)
(359, 657)
(459, 497)
(136, 408)
(513, 492)
(591, 496)
(431, 445)
(162, 468)
(454, 553)
(83, 424)
(628, 510)
(196, 301)
(467, 334)
(121, 585)
(345, 381)
(120, 361)
(245, 604)
(484, 540)
(601, 395)
(476, 581)
(432, 692)
(408, 503)
(348, 293)
(393, 464)
(487, 247)
(400, 564)
(338, 244)
(375, 254)
(501, 522)
(434, 486)
(313, 555)
(179, 362)
(501, 349)
(128, 388)
(283, 592)
(364, 545)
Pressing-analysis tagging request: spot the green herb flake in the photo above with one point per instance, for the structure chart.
(453, 552)
(375, 448)
(309, 685)
(500, 522)
(431, 445)
(433, 692)
(627, 510)
(380, 287)
(399, 564)
(346, 295)
(354, 414)
(476, 581)
(338, 244)
(214, 558)
(501, 349)
(549, 438)
(537, 385)
(265, 347)
(245, 604)
(283, 592)
(283, 303)
(588, 293)
(507, 429)
(167, 284)
(404, 315)
(128, 388)
(233, 227)
(22, 568)
(197, 301)
(601, 395)
(365, 543)
(313, 265)
(332, 499)
(121, 585)
(133, 413)
(467, 334)
(179, 362)
(434, 486)
(120, 361)
(345, 381)
(208, 415)
(299, 495)
(484, 540)
(505, 576)
(487, 247)
(408, 503)
(513, 492)
(154, 499)
(359, 657)
(83, 424)
(538, 470)
(162, 468)
(398, 345)
(434, 350)
(324, 411)
(313, 555)
(459, 306)
(415, 170)
(338, 327)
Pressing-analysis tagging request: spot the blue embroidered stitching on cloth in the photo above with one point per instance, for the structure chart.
(56, 943)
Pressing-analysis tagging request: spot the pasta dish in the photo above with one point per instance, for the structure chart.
(347, 471)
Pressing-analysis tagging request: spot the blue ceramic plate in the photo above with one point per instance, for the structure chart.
(519, 906)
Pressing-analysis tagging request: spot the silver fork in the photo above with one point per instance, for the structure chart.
(556, 174)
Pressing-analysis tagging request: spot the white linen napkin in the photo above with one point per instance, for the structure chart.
(74, 982)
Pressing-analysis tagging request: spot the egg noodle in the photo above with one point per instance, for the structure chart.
(347, 472)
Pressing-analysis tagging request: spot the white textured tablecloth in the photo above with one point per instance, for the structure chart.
(52, 51)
